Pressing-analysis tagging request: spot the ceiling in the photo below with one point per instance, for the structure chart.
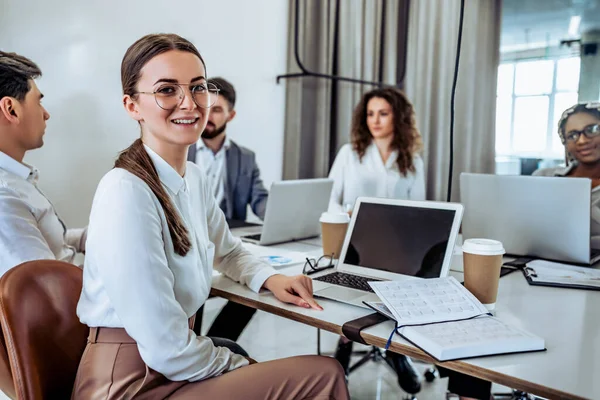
(538, 23)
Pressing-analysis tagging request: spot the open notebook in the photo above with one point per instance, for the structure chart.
(445, 320)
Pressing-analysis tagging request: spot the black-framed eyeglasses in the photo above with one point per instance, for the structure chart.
(589, 131)
(170, 95)
(312, 266)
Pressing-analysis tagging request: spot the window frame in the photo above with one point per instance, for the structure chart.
(548, 152)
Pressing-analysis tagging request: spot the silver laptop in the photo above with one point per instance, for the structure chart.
(293, 211)
(390, 240)
(545, 217)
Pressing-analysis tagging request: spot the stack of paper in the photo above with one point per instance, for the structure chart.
(546, 273)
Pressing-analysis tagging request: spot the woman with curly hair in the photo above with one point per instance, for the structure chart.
(383, 158)
(381, 161)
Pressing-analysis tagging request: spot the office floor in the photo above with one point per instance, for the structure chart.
(279, 337)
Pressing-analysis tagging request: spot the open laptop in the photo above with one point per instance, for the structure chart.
(293, 211)
(390, 239)
(545, 217)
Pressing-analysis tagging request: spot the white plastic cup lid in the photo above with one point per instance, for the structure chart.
(335, 218)
(484, 247)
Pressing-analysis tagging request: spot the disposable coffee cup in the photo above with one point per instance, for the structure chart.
(482, 259)
(333, 232)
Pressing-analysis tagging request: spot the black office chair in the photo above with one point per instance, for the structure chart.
(376, 355)
(529, 165)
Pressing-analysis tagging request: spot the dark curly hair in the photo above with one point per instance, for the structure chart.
(407, 139)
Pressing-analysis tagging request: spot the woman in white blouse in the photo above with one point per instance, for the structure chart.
(155, 231)
(382, 159)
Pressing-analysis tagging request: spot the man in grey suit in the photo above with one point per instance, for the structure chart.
(235, 179)
(231, 169)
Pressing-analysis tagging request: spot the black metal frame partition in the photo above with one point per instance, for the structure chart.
(305, 72)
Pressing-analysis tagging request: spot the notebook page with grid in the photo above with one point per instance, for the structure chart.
(474, 337)
(423, 301)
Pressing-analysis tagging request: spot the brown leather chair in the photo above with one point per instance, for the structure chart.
(6, 379)
(44, 338)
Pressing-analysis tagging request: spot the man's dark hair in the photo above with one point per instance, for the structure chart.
(15, 73)
(225, 89)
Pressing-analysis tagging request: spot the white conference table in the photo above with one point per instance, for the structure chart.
(565, 318)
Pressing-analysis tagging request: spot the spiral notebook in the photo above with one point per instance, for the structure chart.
(446, 321)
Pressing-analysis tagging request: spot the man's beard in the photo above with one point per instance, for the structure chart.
(216, 132)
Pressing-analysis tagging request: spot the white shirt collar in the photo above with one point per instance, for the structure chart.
(390, 163)
(167, 174)
(201, 145)
(11, 165)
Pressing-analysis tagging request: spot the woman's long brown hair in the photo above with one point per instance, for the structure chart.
(407, 139)
(135, 159)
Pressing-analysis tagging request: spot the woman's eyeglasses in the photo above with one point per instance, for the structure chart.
(170, 96)
(589, 131)
(312, 266)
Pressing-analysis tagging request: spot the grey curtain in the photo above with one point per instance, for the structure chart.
(361, 39)
(432, 36)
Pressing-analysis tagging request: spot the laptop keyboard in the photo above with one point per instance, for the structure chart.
(252, 237)
(348, 280)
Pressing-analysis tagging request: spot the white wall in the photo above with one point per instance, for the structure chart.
(79, 45)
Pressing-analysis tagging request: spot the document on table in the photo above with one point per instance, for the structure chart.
(276, 257)
(546, 273)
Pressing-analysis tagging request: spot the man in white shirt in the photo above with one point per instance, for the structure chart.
(30, 228)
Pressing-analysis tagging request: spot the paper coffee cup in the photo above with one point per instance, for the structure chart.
(333, 232)
(482, 260)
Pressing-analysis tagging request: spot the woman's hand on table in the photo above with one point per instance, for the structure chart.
(293, 289)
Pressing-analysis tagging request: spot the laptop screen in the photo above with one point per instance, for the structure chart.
(400, 239)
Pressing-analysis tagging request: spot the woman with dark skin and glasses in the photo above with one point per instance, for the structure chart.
(579, 130)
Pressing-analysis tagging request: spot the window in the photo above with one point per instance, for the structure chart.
(531, 96)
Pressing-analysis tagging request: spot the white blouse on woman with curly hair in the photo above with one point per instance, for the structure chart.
(372, 177)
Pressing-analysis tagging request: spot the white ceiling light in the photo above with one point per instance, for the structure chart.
(574, 25)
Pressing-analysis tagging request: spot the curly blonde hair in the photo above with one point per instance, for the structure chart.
(407, 139)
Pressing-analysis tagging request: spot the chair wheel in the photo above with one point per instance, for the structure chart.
(430, 375)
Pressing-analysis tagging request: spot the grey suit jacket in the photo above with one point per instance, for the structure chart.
(243, 186)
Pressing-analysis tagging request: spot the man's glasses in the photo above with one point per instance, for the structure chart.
(312, 266)
(170, 96)
(589, 131)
